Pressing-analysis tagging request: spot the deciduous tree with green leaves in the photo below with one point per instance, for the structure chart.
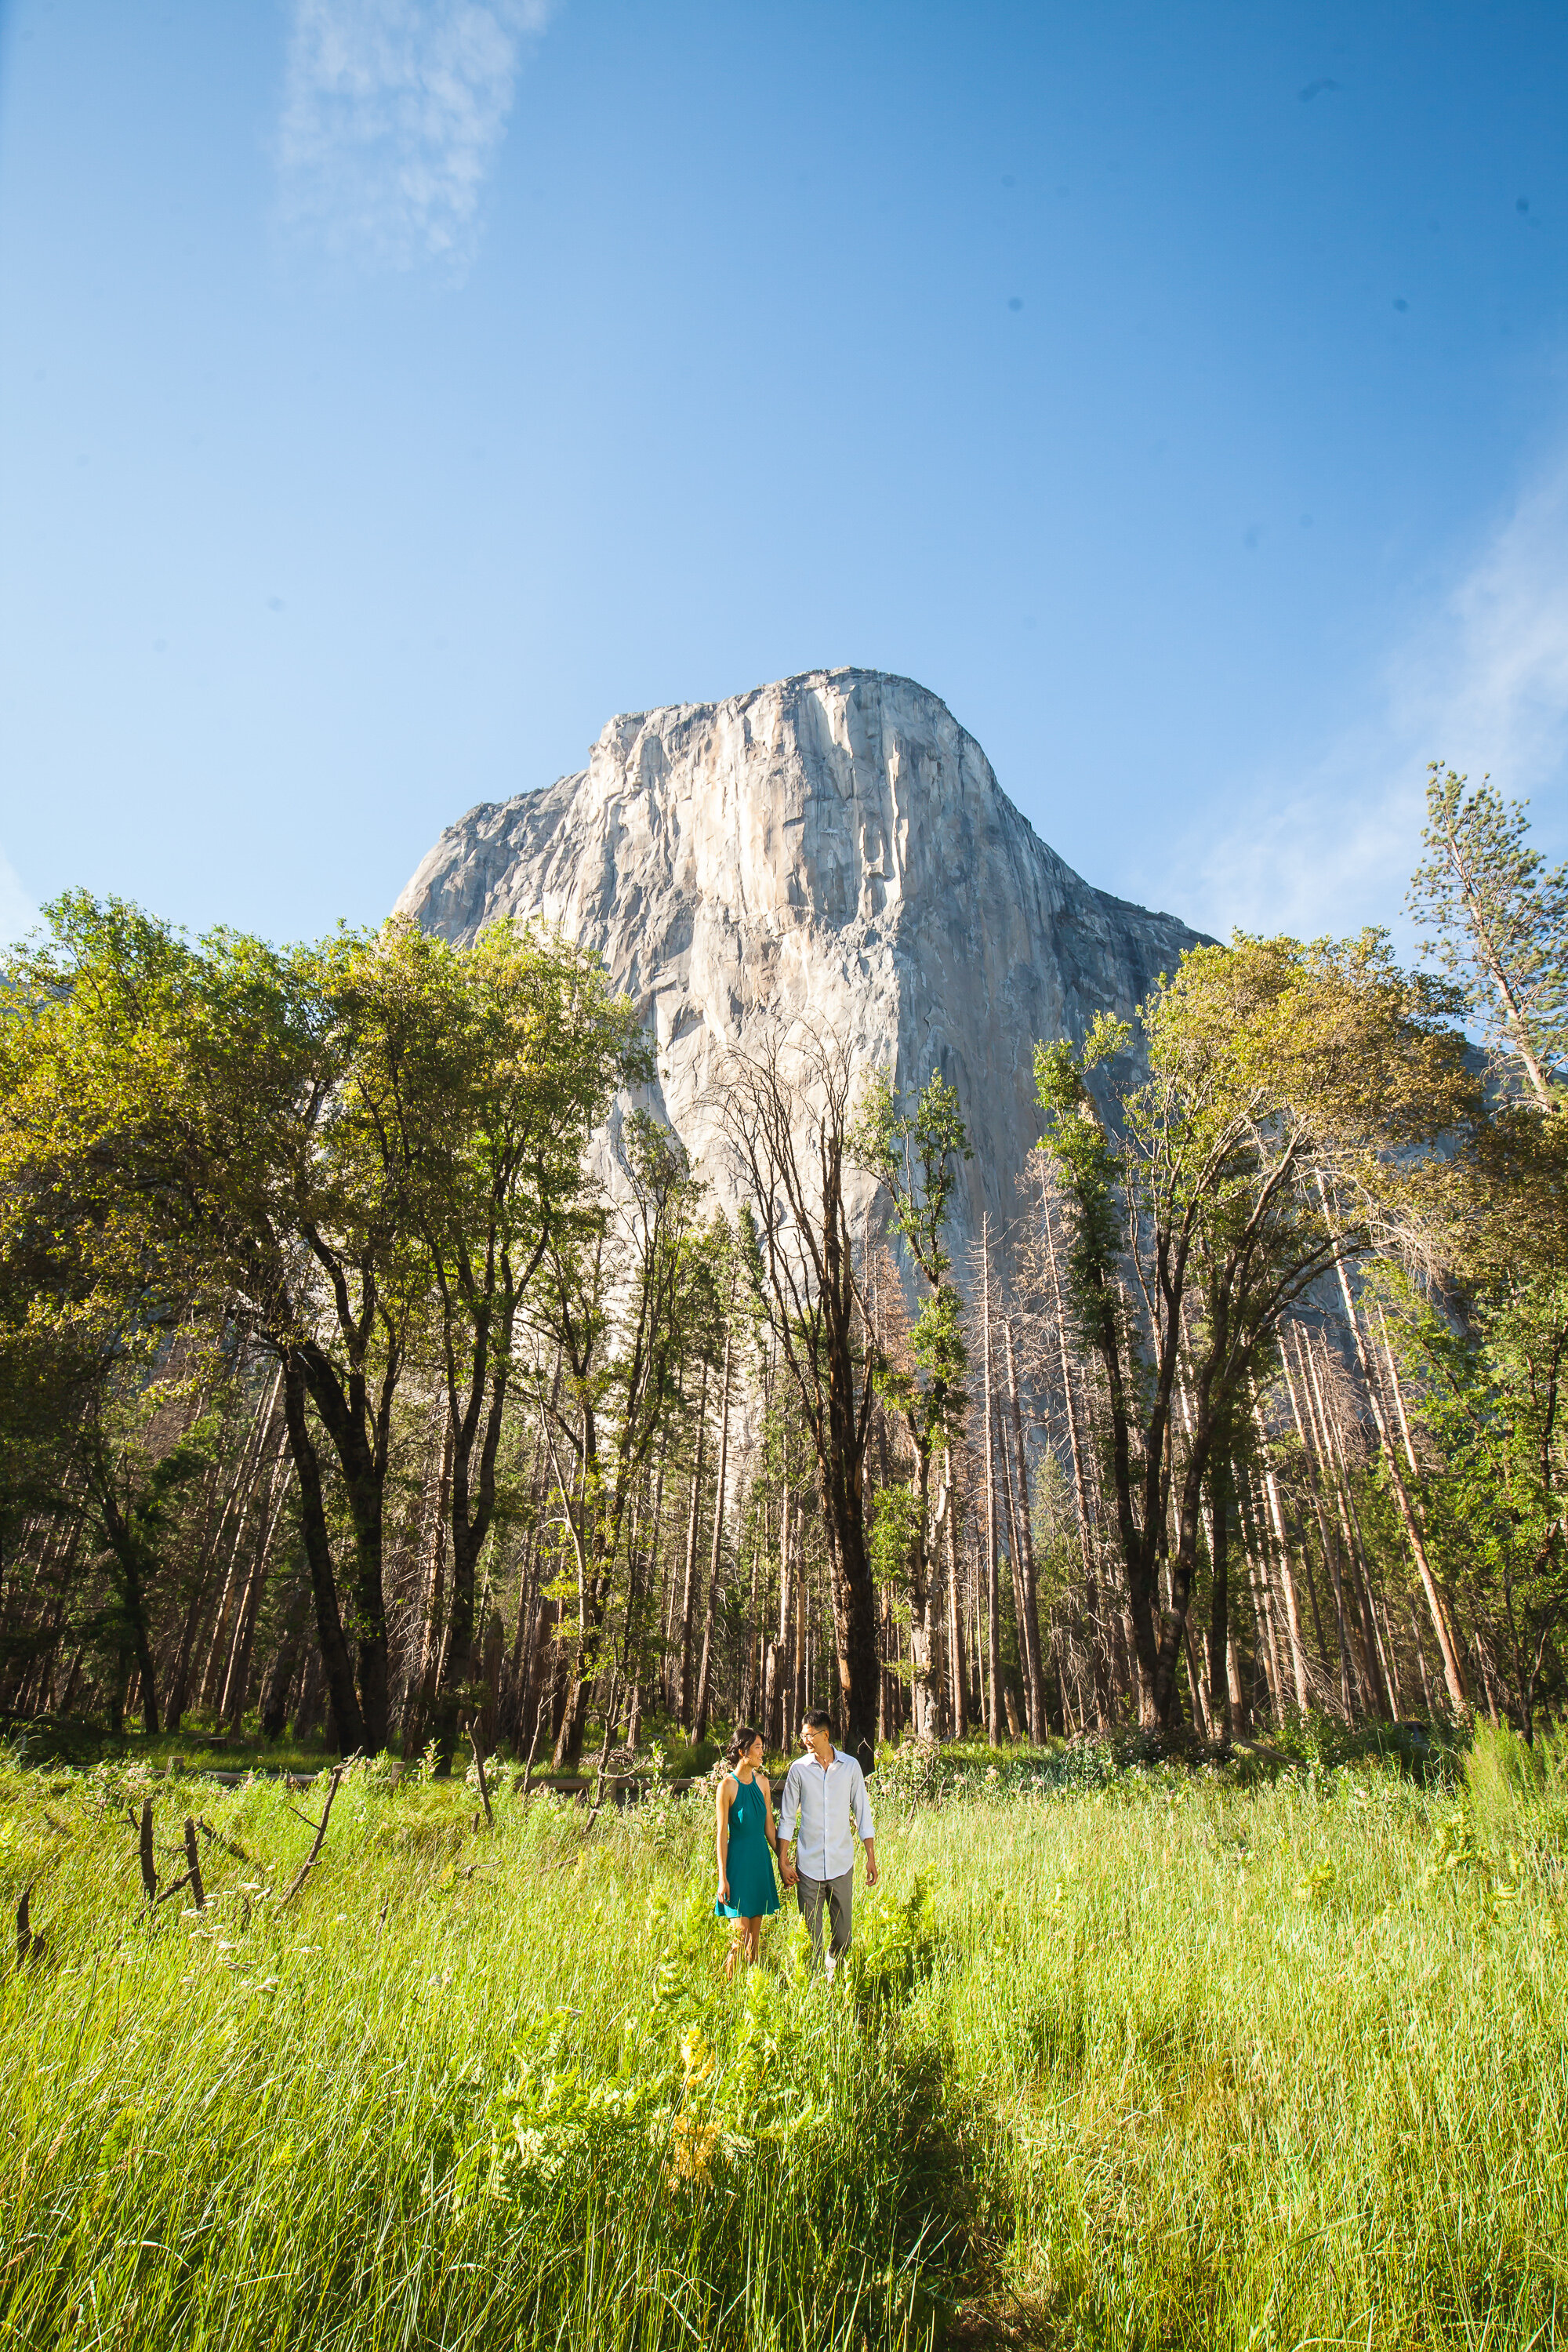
(199, 1103)
(1281, 1078)
(482, 1073)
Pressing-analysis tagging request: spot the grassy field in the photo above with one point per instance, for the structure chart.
(1162, 2061)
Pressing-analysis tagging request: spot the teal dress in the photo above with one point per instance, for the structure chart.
(753, 1895)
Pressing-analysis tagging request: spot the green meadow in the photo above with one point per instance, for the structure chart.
(1129, 2054)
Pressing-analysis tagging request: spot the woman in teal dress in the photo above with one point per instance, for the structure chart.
(747, 1840)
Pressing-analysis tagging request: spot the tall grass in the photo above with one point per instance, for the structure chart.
(1170, 2062)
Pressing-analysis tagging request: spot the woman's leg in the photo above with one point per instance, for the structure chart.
(753, 1941)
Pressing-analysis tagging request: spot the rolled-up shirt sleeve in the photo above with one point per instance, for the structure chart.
(789, 1803)
(860, 1805)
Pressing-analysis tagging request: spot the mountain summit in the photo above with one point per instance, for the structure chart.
(833, 849)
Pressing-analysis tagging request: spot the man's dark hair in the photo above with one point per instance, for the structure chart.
(819, 1719)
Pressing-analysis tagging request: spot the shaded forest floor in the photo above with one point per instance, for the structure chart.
(1146, 2057)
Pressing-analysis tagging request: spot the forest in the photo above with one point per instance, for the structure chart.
(375, 1375)
(410, 1474)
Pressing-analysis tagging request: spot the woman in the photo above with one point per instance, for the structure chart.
(747, 1840)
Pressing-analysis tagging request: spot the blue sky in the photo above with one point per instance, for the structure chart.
(391, 389)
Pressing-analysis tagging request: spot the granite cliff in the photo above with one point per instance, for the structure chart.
(836, 850)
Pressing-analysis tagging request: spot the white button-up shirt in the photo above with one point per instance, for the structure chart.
(822, 1800)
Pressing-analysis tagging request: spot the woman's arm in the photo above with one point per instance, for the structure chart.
(768, 1800)
(721, 1838)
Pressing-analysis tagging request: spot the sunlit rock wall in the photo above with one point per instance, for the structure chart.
(833, 851)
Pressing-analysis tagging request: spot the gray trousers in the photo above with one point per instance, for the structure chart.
(838, 1893)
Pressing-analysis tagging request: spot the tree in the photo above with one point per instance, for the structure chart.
(1483, 1326)
(482, 1073)
(913, 1152)
(63, 1457)
(620, 1286)
(1271, 1066)
(785, 1110)
(1489, 1394)
(191, 1113)
(1496, 917)
(85, 1306)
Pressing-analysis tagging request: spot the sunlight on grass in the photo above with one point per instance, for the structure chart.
(1168, 2062)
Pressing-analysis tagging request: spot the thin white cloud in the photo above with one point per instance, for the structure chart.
(392, 113)
(18, 912)
(1481, 683)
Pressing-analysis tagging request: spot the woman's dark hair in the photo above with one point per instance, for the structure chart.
(740, 1739)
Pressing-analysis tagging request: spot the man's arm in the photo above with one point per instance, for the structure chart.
(860, 1804)
(789, 1817)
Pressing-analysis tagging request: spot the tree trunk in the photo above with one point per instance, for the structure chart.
(220, 1643)
(336, 1664)
(751, 1678)
(312, 1695)
(493, 1659)
(1256, 1547)
(992, 1627)
(1391, 1656)
(776, 1673)
(705, 1672)
(286, 1665)
(1366, 1653)
(1287, 1578)
(1027, 1539)
(957, 1667)
(852, 1590)
(651, 1591)
(131, 1563)
(358, 1439)
(201, 1583)
(539, 1674)
(1079, 1482)
(668, 1663)
(926, 1608)
(688, 1591)
(455, 1694)
(1220, 1697)
(1488, 1682)
(1203, 1721)
(1421, 1660)
(236, 1682)
(419, 1709)
(574, 1722)
(1014, 1563)
(1448, 1649)
(1310, 1462)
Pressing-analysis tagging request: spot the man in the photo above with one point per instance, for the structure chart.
(824, 1790)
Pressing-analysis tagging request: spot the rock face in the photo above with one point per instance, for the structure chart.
(833, 850)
